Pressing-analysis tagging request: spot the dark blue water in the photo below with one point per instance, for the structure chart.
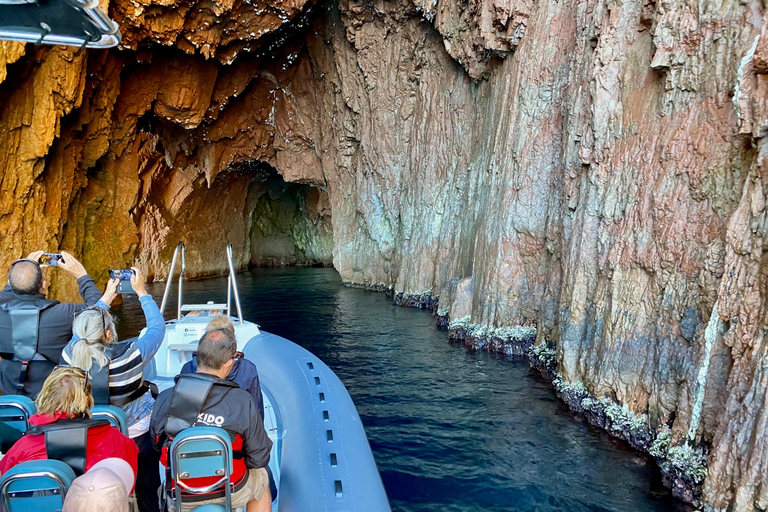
(450, 431)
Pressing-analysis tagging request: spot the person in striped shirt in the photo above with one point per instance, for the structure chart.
(117, 374)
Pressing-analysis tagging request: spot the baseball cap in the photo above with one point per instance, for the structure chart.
(103, 487)
(121, 468)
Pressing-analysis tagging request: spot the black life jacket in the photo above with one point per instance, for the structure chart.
(187, 402)
(25, 324)
(67, 440)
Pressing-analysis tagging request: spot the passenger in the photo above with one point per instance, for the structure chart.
(244, 372)
(225, 406)
(31, 349)
(65, 400)
(104, 488)
(95, 348)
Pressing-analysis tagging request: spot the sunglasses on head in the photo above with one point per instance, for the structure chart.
(238, 355)
(82, 373)
(101, 313)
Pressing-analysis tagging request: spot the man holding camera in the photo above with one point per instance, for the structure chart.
(33, 328)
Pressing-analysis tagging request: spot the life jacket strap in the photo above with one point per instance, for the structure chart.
(22, 377)
(100, 385)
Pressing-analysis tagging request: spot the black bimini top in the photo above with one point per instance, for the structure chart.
(63, 22)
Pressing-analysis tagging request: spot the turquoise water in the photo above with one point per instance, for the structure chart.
(450, 431)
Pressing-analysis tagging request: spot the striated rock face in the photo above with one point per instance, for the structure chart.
(594, 169)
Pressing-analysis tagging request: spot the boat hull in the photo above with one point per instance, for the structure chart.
(324, 461)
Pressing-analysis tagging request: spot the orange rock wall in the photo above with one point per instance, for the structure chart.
(589, 167)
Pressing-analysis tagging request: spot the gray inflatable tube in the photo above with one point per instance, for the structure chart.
(321, 460)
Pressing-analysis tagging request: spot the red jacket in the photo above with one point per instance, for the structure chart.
(103, 442)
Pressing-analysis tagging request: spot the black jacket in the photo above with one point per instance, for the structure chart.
(229, 407)
(54, 332)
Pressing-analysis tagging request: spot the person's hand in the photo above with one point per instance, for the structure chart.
(138, 282)
(110, 292)
(35, 256)
(72, 266)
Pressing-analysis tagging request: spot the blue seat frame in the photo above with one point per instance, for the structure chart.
(113, 414)
(35, 486)
(15, 411)
(198, 452)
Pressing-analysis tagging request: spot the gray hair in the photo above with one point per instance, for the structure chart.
(25, 277)
(216, 348)
(91, 327)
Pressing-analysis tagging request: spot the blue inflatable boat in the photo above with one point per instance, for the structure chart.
(321, 459)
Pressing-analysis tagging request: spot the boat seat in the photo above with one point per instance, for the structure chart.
(15, 411)
(35, 486)
(200, 452)
(113, 414)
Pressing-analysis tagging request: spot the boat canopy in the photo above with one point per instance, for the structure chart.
(63, 22)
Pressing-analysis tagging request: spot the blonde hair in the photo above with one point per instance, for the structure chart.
(65, 390)
(91, 328)
(222, 322)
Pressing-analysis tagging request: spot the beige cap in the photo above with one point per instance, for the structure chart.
(120, 467)
(101, 488)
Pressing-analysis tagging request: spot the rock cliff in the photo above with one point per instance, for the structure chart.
(590, 168)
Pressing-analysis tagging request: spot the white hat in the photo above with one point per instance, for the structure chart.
(121, 468)
(103, 487)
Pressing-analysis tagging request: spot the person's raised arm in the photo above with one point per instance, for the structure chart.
(88, 289)
(152, 338)
(110, 292)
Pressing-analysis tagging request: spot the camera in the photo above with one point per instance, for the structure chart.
(50, 259)
(124, 275)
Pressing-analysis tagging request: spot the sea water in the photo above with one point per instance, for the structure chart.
(450, 430)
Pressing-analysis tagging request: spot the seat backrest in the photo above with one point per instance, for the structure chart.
(200, 452)
(15, 411)
(113, 414)
(35, 486)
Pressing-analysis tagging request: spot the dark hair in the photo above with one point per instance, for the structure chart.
(25, 277)
(216, 348)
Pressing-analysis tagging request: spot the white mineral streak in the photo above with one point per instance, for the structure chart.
(715, 326)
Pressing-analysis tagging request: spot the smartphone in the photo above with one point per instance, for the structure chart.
(124, 275)
(51, 259)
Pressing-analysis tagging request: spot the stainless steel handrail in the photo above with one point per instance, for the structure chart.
(181, 280)
(229, 296)
(233, 285)
(179, 247)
